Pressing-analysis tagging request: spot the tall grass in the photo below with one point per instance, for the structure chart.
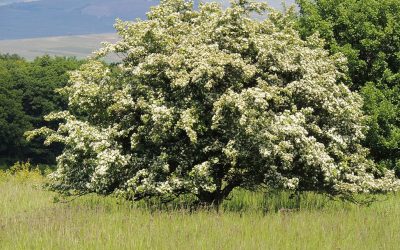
(30, 219)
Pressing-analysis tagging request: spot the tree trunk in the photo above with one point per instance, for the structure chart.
(214, 199)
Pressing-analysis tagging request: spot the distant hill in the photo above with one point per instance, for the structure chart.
(45, 18)
(67, 17)
(79, 46)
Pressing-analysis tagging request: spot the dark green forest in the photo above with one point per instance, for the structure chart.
(367, 32)
(27, 93)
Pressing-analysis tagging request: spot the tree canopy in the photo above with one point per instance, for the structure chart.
(208, 100)
(13, 120)
(27, 94)
(367, 32)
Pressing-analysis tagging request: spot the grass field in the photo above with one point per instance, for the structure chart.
(30, 219)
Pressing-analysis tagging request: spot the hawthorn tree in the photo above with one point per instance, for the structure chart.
(208, 100)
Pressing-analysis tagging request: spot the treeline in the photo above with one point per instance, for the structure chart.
(27, 93)
(367, 32)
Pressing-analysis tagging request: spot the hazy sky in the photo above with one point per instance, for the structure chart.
(274, 3)
(5, 2)
(45, 18)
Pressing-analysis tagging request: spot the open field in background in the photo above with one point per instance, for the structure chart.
(30, 219)
(77, 46)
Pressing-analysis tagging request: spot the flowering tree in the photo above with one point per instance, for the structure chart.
(208, 100)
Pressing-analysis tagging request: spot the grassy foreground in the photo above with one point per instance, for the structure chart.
(30, 219)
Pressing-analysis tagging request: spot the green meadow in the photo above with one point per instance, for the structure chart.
(33, 218)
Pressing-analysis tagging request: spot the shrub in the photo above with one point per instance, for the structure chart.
(21, 171)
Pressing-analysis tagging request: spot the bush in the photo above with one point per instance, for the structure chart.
(22, 172)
